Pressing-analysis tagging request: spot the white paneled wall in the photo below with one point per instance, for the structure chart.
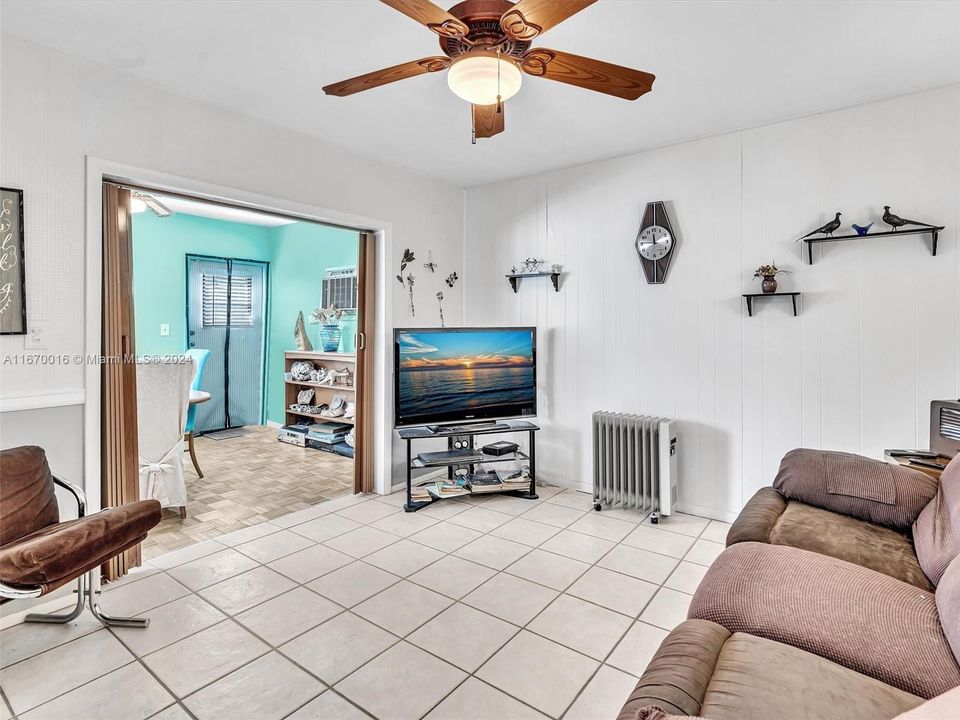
(876, 340)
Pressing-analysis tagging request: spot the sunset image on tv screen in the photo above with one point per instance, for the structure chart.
(467, 372)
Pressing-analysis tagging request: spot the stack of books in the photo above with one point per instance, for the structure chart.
(485, 481)
(419, 493)
(325, 435)
(513, 479)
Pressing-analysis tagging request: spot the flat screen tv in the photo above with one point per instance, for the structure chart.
(449, 375)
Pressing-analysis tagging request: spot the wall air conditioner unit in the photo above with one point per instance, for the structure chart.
(340, 289)
(945, 427)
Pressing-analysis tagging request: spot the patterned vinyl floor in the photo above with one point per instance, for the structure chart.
(248, 479)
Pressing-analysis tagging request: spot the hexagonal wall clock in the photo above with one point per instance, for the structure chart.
(655, 242)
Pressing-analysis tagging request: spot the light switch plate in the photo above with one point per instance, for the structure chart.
(164, 329)
(36, 337)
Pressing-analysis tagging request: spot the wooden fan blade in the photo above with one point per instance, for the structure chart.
(387, 75)
(430, 15)
(529, 18)
(587, 73)
(487, 122)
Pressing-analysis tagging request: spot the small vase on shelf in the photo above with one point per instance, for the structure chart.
(330, 337)
(329, 321)
(769, 275)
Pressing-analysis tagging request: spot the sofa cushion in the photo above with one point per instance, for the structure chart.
(853, 485)
(861, 619)
(701, 669)
(862, 543)
(936, 532)
(768, 517)
(27, 499)
(948, 605)
(57, 554)
(759, 678)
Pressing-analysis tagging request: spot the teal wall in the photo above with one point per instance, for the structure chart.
(298, 255)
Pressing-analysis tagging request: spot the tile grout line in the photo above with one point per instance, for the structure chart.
(453, 601)
(629, 628)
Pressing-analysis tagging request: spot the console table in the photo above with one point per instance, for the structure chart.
(933, 472)
(408, 435)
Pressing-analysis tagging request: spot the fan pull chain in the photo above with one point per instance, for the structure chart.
(499, 99)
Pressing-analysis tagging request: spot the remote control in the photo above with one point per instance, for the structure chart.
(913, 453)
(929, 464)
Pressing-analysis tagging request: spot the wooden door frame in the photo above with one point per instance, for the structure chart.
(377, 476)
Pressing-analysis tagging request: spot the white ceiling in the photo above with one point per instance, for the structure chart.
(721, 65)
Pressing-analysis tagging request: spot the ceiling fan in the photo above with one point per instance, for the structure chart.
(486, 50)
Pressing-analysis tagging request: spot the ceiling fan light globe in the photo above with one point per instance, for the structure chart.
(479, 79)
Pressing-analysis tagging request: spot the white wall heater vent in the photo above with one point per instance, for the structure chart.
(635, 462)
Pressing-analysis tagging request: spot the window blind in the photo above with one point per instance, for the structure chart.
(215, 300)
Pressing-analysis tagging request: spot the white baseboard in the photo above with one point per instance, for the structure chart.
(705, 512)
(274, 424)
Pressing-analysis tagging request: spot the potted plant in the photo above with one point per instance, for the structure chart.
(329, 321)
(769, 274)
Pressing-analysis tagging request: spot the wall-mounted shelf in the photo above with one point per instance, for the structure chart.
(750, 296)
(934, 236)
(514, 278)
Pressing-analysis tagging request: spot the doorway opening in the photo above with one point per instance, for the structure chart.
(273, 313)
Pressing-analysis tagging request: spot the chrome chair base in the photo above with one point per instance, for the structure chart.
(81, 593)
(87, 595)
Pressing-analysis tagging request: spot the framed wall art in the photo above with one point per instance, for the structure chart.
(13, 300)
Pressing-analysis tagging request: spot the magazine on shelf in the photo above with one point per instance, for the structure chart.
(446, 488)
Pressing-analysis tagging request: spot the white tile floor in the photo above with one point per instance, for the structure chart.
(471, 609)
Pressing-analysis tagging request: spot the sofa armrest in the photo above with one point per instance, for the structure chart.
(755, 522)
(861, 487)
(856, 617)
(677, 677)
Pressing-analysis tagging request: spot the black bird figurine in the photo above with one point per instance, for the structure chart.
(895, 221)
(826, 229)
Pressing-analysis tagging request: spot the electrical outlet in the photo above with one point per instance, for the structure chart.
(36, 337)
(164, 329)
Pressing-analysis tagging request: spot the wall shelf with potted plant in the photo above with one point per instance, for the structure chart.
(768, 287)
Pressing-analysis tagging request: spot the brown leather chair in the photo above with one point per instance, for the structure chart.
(39, 553)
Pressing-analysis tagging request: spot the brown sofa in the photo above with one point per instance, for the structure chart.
(39, 553)
(807, 508)
(838, 596)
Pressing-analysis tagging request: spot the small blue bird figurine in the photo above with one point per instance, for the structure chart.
(862, 230)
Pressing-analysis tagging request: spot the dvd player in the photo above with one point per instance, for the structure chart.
(450, 456)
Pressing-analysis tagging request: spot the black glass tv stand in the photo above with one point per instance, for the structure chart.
(409, 434)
